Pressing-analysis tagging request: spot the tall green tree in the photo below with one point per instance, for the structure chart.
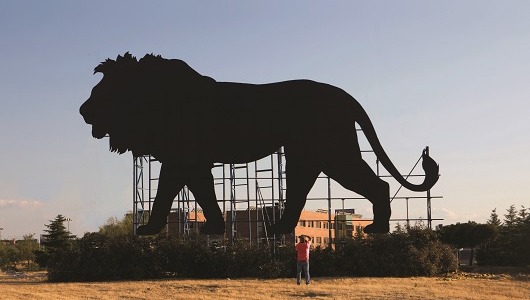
(494, 218)
(56, 235)
(510, 218)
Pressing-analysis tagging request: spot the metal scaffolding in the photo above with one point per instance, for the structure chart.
(250, 195)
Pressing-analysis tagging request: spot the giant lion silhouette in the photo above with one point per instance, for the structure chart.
(188, 121)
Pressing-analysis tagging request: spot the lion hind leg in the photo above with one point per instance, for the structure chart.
(358, 177)
(300, 180)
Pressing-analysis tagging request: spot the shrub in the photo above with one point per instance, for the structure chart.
(326, 262)
(100, 257)
(416, 253)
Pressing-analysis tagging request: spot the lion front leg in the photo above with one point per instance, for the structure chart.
(201, 185)
(171, 181)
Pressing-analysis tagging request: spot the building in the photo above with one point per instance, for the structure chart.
(180, 221)
(8, 242)
(248, 225)
(345, 224)
(349, 224)
(316, 225)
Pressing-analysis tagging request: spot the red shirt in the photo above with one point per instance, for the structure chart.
(302, 251)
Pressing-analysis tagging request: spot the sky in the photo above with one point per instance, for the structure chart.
(451, 75)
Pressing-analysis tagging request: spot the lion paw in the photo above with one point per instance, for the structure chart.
(377, 228)
(148, 229)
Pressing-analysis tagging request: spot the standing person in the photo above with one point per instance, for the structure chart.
(302, 258)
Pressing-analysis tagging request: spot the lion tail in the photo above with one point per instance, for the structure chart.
(430, 167)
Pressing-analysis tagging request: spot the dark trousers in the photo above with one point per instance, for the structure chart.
(302, 266)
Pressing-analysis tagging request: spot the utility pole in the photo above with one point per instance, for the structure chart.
(68, 224)
(408, 220)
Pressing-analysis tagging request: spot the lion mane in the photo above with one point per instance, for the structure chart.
(188, 121)
(126, 108)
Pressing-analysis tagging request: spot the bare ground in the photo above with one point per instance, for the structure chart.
(462, 285)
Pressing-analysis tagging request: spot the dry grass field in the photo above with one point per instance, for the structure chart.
(453, 286)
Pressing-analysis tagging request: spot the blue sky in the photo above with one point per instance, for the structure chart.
(448, 74)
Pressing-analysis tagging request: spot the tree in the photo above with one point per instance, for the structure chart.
(512, 246)
(27, 248)
(4, 259)
(510, 219)
(418, 224)
(468, 235)
(399, 228)
(494, 218)
(57, 236)
(12, 256)
(114, 227)
(523, 216)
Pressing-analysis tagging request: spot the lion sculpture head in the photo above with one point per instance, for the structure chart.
(132, 99)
